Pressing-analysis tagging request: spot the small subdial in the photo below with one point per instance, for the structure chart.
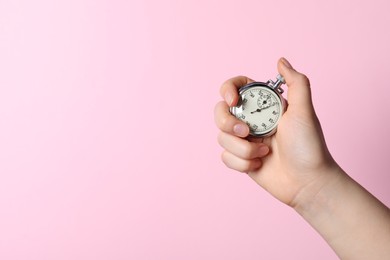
(264, 101)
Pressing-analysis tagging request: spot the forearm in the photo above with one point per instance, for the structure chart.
(353, 222)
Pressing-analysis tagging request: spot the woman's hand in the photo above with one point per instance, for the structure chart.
(287, 162)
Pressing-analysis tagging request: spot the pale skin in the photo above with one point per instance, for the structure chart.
(295, 166)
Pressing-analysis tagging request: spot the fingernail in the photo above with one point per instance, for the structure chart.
(229, 98)
(240, 129)
(286, 63)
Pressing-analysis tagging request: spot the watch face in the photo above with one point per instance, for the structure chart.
(260, 108)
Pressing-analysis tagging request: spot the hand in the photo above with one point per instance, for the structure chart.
(287, 162)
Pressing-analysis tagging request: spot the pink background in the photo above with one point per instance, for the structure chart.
(108, 146)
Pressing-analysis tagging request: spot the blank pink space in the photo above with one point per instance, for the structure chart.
(108, 146)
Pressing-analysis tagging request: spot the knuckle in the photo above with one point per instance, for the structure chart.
(241, 166)
(225, 86)
(225, 160)
(223, 123)
(223, 157)
(218, 107)
(219, 117)
(220, 139)
(232, 83)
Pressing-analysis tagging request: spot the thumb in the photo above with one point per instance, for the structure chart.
(299, 94)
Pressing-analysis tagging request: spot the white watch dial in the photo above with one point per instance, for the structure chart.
(260, 108)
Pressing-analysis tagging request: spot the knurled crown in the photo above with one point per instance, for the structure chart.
(280, 78)
(276, 85)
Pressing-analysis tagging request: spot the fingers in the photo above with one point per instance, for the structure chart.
(299, 93)
(238, 164)
(228, 123)
(242, 148)
(240, 154)
(223, 118)
(229, 89)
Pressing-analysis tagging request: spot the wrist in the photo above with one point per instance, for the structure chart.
(342, 211)
(319, 192)
(319, 203)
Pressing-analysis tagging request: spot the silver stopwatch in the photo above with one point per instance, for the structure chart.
(261, 106)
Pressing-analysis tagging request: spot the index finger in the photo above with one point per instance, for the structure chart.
(229, 89)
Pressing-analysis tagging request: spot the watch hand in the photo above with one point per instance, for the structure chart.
(257, 110)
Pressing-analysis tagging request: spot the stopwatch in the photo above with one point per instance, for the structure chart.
(261, 106)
